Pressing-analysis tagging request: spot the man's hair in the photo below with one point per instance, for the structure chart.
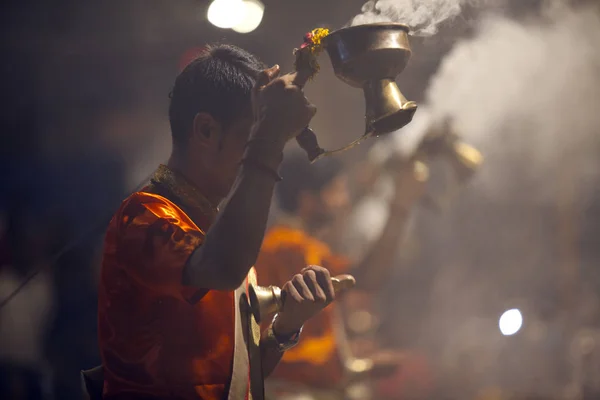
(301, 176)
(218, 82)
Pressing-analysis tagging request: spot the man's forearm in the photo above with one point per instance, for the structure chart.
(269, 352)
(232, 244)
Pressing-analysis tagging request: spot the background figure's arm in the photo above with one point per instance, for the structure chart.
(374, 267)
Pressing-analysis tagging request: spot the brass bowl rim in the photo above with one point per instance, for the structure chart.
(397, 25)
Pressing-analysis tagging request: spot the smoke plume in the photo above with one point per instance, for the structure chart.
(422, 16)
(527, 94)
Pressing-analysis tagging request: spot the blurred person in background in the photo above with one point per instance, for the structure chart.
(26, 244)
(316, 199)
(173, 323)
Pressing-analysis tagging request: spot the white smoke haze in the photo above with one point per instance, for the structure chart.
(422, 16)
(528, 96)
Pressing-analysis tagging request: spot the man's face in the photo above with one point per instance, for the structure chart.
(230, 152)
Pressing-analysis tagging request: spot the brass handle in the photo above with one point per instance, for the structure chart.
(265, 301)
(341, 283)
(307, 139)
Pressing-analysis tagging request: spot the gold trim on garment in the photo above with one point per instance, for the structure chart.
(181, 187)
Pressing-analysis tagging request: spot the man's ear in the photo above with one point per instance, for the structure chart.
(206, 130)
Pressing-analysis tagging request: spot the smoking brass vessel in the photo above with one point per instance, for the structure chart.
(371, 57)
(265, 301)
(464, 159)
(440, 141)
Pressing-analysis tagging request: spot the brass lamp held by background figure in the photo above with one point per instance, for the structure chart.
(464, 159)
(440, 141)
(367, 56)
(266, 301)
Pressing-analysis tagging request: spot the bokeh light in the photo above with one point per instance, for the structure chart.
(254, 11)
(510, 322)
(226, 13)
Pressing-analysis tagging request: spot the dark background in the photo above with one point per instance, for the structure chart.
(84, 121)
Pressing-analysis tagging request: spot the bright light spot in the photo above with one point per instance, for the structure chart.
(226, 13)
(510, 322)
(254, 14)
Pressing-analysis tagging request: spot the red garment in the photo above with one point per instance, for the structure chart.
(315, 360)
(157, 337)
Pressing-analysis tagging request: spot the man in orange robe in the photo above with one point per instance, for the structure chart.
(172, 310)
(316, 198)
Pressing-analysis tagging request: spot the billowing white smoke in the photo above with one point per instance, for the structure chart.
(528, 96)
(422, 16)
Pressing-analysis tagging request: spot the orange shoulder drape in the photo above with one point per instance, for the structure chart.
(157, 337)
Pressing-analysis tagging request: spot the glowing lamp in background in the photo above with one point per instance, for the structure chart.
(510, 322)
(253, 16)
(226, 13)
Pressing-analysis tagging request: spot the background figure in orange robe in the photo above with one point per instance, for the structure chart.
(316, 199)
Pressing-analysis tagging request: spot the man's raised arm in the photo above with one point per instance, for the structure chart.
(233, 242)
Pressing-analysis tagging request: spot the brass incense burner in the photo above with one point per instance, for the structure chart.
(462, 158)
(440, 141)
(369, 57)
(266, 301)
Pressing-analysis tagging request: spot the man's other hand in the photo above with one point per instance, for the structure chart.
(306, 294)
